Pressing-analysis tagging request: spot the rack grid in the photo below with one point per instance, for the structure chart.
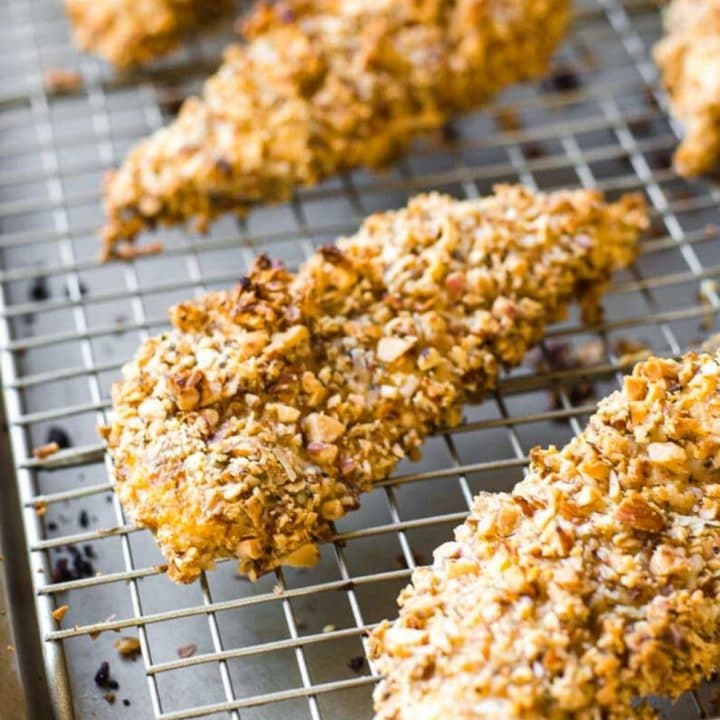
(292, 645)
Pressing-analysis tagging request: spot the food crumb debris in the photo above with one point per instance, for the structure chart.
(126, 702)
(59, 81)
(60, 612)
(128, 647)
(277, 589)
(89, 552)
(328, 628)
(84, 519)
(564, 79)
(131, 252)
(41, 508)
(110, 697)
(39, 290)
(57, 435)
(45, 451)
(81, 567)
(558, 358)
(631, 351)
(10, 648)
(356, 663)
(186, 651)
(508, 119)
(103, 679)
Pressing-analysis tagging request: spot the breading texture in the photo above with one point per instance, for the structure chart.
(320, 87)
(268, 409)
(689, 60)
(594, 582)
(132, 32)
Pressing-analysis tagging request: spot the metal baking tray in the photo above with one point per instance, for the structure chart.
(291, 646)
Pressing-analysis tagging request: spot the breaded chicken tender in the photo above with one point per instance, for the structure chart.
(268, 409)
(132, 32)
(689, 60)
(595, 583)
(321, 87)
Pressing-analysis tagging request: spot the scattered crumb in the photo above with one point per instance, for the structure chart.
(128, 647)
(103, 679)
(58, 81)
(10, 648)
(130, 252)
(57, 435)
(563, 79)
(277, 589)
(560, 357)
(162, 568)
(328, 628)
(110, 697)
(356, 664)
(631, 351)
(41, 508)
(60, 612)
(45, 451)
(126, 702)
(508, 120)
(186, 651)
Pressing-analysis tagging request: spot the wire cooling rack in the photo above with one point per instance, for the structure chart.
(292, 645)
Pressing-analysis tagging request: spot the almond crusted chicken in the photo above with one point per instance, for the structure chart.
(689, 59)
(268, 409)
(323, 86)
(132, 32)
(592, 585)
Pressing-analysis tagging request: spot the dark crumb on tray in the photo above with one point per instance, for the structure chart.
(103, 679)
(39, 290)
(356, 664)
(57, 435)
(84, 519)
(126, 702)
(564, 79)
(110, 697)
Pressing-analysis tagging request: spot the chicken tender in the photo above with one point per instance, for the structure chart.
(689, 60)
(268, 409)
(594, 583)
(132, 32)
(320, 87)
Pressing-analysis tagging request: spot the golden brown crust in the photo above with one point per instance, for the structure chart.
(132, 32)
(596, 581)
(689, 59)
(268, 409)
(320, 87)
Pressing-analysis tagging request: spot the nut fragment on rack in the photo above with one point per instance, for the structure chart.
(59, 612)
(689, 61)
(128, 647)
(62, 82)
(321, 87)
(624, 606)
(128, 33)
(293, 414)
(45, 451)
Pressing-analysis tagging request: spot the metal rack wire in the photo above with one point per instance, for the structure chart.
(292, 645)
